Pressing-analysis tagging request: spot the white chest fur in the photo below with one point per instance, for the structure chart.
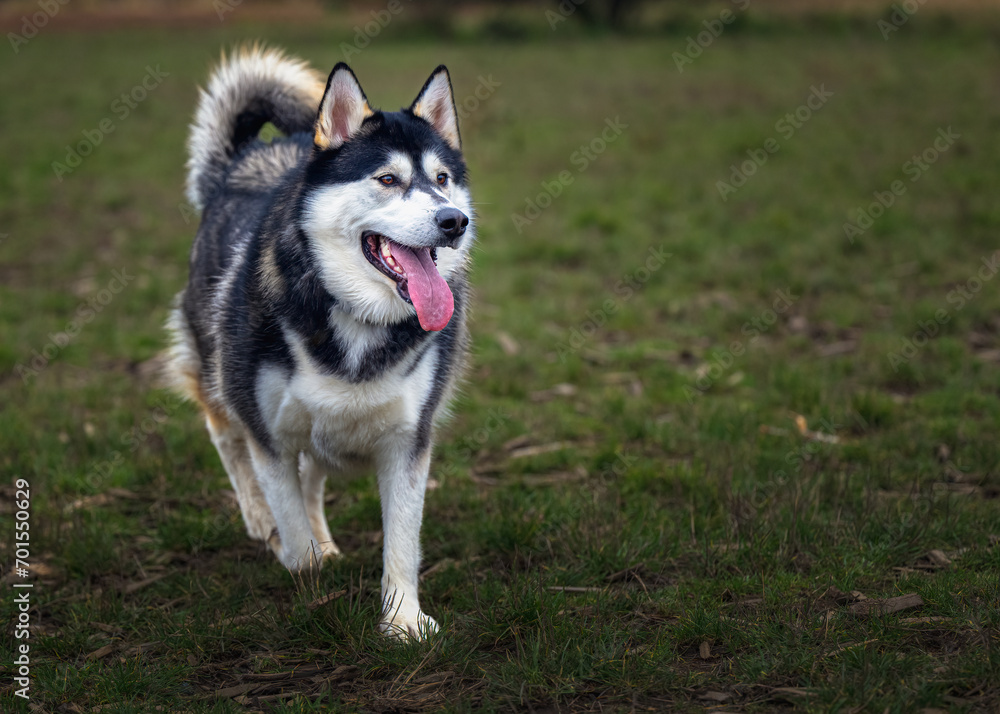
(338, 421)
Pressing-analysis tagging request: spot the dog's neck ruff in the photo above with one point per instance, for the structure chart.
(359, 351)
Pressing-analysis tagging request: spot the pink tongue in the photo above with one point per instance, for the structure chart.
(429, 293)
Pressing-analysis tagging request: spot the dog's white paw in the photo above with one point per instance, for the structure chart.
(274, 543)
(259, 522)
(329, 550)
(400, 626)
(308, 557)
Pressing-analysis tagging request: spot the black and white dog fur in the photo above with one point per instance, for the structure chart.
(323, 327)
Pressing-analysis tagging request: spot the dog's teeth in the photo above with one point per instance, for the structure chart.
(385, 249)
(391, 262)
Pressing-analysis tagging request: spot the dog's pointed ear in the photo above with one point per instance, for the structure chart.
(343, 109)
(436, 105)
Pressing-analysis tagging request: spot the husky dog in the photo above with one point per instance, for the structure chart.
(323, 327)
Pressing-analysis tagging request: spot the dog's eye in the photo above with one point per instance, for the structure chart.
(442, 179)
(388, 180)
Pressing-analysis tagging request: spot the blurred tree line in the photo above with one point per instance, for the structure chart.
(594, 14)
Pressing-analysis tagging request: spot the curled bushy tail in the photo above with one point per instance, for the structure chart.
(252, 86)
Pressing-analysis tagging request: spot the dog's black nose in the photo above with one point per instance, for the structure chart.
(452, 223)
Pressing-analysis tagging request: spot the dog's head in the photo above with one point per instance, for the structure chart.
(387, 209)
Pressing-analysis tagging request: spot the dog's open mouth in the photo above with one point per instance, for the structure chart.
(418, 281)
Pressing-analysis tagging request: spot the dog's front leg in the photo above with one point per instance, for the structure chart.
(278, 476)
(402, 480)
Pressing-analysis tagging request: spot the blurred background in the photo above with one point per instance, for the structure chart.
(735, 351)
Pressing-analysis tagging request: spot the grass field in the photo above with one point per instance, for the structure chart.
(706, 439)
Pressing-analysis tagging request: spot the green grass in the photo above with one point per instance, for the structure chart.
(686, 504)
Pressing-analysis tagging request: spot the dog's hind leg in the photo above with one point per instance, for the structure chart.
(231, 443)
(313, 478)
